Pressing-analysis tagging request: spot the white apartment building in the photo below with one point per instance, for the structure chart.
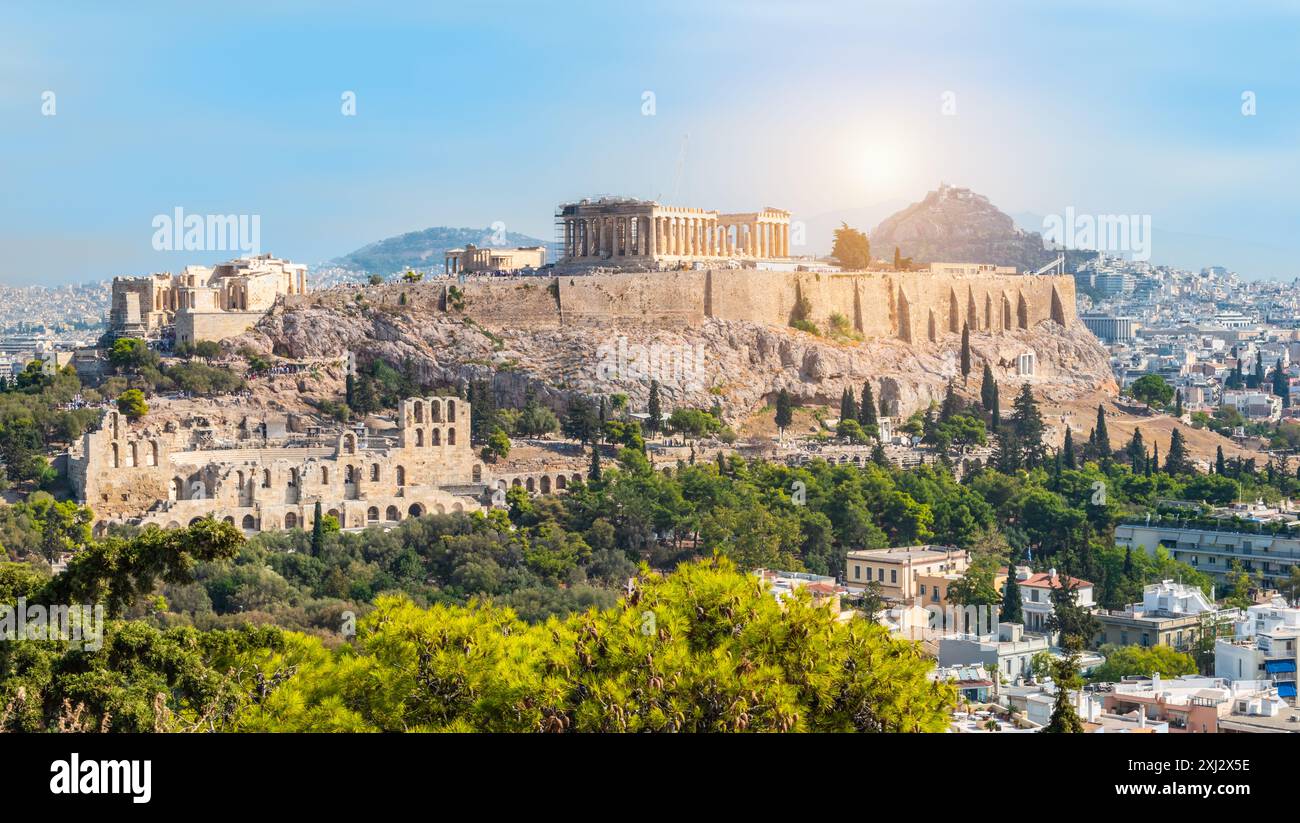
(1263, 647)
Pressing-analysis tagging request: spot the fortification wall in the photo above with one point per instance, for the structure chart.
(911, 306)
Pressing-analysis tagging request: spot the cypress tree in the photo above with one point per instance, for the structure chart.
(1154, 464)
(965, 352)
(1177, 461)
(1103, 436)
(988, 388)
(848, 407)
(1178, 403)
(594, 474)
(996, 420)
(317, 533)
(1219, 467)
(867, 409)
(1137, 452)
(784, 412)
(950, 404)
(1067, 450)
(1065, 674)
(655, 414)
(1012, 612)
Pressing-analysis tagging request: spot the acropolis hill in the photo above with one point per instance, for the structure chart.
(551, 334)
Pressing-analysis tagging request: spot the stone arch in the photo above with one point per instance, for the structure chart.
(435, 411)
(228, 519)
(457, 508)
(516, 483)
(349, 444)
(133, 454)
(372, 514)
(291, 521)
(176, 489)
(419, 437)
(172, 524)
(561, 482)
(546, 485)
(1022, 311)
(195, 520)
(334, 513)
(392, 515)
(451, 436)
(249, 522)
(576, 478)
(530, 485)
(374, 472)
(476, 473)
(435, 437)
(418, 407)
(439, 509)
(416, 510)
(266, 478)
(325, 475)
(117, 457)
(401, 475)
(451, 411)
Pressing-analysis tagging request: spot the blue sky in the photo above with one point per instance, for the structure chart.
(469, 114)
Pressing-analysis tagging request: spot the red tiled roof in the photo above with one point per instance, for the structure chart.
(1043, 580)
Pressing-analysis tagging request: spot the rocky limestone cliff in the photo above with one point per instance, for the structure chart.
(954, 225)
(740, 364)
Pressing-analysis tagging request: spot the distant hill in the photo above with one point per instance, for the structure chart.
(955, 225)
(425, 249)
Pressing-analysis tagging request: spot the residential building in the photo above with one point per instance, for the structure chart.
(1170, 614)
(1265, 646)
(1189, 704)
(1036, 595)
(1268, 554)
(895, 570)
(1010, 651)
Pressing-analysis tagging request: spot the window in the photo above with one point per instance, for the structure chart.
(880, 574)
(893, 576)
(857, 572)
(922, 589)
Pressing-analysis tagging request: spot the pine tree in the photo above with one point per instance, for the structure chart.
(654, 413)
(1219, 467)
(1103, 436)
(1028, 425)
(784, 412)
(867, 409)
(1067, 450)
(1012, 612)
(317, 532)
(1177, 461)
(594, 473)
(988, 389)
(965, 352)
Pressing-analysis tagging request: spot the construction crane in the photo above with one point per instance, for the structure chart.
(1058, 264)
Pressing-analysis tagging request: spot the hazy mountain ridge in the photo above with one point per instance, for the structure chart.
(956, 225)
(425, 249)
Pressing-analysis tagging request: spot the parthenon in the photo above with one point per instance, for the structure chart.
(615, 230)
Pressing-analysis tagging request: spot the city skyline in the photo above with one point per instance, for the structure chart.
(472, 120)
